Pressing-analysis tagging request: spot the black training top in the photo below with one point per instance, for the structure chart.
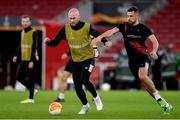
(134, 39)
(61, 35)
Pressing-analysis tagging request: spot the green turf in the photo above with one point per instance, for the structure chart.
(117, 105)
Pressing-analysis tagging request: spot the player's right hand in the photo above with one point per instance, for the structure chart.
(47, 39)
(96, 41)
(15, 59)
(31, 65)
(64, 56)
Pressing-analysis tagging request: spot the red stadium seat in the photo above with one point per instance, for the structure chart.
(36, 8)
(166, 24)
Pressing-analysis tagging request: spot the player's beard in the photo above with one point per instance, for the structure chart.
(26, 26)
(131, 22)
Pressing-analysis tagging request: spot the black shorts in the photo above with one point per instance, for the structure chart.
(138, 62)
(68, 66)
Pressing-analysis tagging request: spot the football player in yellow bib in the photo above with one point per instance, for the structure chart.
(78, 35)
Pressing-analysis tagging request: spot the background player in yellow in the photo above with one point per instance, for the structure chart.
(26, 53)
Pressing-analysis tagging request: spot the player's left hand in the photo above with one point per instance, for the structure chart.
(47, 39)
(64, 56)
(108, 44)
(154, 55)
(31, 65)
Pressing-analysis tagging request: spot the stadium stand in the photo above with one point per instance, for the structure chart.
(166, 24)
(46, 9)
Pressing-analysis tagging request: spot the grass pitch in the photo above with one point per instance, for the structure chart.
(117, 105)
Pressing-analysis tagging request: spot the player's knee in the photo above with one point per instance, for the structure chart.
(142, 76)
(59, 74)
(65, 77)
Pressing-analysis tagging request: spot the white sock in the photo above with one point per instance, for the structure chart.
(157, 95)
(95, 98)
(87, 105)
(61, 95)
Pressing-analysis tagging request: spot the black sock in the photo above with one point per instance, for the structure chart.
(159, 99)
(31, 93)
